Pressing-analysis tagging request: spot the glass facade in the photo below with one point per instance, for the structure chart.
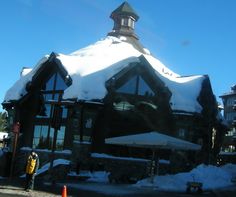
(43, 132)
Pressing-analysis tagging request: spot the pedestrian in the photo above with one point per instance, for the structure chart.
(31, 170)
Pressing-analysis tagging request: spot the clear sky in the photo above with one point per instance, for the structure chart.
(190, 37)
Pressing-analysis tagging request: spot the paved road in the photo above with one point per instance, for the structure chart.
(10, 188)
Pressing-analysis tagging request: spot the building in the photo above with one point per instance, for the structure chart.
(229, 146)
(112, 88)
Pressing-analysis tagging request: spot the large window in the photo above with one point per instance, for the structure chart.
(43, 133)
(43, 137)
(83, 122)
(132, 93)
(136, 85)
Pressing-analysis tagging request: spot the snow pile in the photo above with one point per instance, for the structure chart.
(56, 162)
(45, 167)
(99, 176)
(212, 177)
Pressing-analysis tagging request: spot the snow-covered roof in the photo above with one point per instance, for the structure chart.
(92, 66)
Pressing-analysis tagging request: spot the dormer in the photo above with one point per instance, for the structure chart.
(124, 18)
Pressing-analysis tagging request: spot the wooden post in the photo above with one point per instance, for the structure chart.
(16, 129)
(152, 169)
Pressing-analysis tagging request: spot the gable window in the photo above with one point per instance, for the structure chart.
(136, 85)
(43, 133)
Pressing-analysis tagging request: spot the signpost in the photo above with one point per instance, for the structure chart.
(16, 130)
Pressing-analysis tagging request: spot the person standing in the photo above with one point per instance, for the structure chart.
(31, 170)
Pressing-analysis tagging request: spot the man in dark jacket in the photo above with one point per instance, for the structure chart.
(31, 170)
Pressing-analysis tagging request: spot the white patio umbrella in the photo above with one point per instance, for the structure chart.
(153, 140)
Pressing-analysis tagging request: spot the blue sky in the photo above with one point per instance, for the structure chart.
(190, 37)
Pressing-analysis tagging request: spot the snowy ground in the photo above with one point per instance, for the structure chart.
(212, 178)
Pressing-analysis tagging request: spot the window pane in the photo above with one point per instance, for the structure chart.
(144, 89)
(60, 138)
(88, 119)
(44, 131)
(64, 112)
(47, 110)
(50, 83)
(129, 87)
(37, 131)
(60, 84)
(56, 97)
(47, 97)
(40, 136)
(61, 133)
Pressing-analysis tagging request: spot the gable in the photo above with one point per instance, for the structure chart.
(36, 78)
(137, 79)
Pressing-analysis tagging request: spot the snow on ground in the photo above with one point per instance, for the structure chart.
(212, 177)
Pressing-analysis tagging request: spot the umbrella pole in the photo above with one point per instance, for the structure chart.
(152, 167)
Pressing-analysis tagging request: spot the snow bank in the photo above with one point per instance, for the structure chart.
(212, 177)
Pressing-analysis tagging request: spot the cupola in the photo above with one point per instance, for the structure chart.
(124, 18)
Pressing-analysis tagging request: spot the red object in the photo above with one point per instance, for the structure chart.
(64, 191)
(16, 127)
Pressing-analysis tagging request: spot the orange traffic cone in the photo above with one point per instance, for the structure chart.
(64, 191)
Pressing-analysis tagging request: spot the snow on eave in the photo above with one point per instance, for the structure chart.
(17, 91)
(185, 90)
(25, 71)
(185, 93)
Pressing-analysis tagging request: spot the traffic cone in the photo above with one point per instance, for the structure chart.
(64, 191)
